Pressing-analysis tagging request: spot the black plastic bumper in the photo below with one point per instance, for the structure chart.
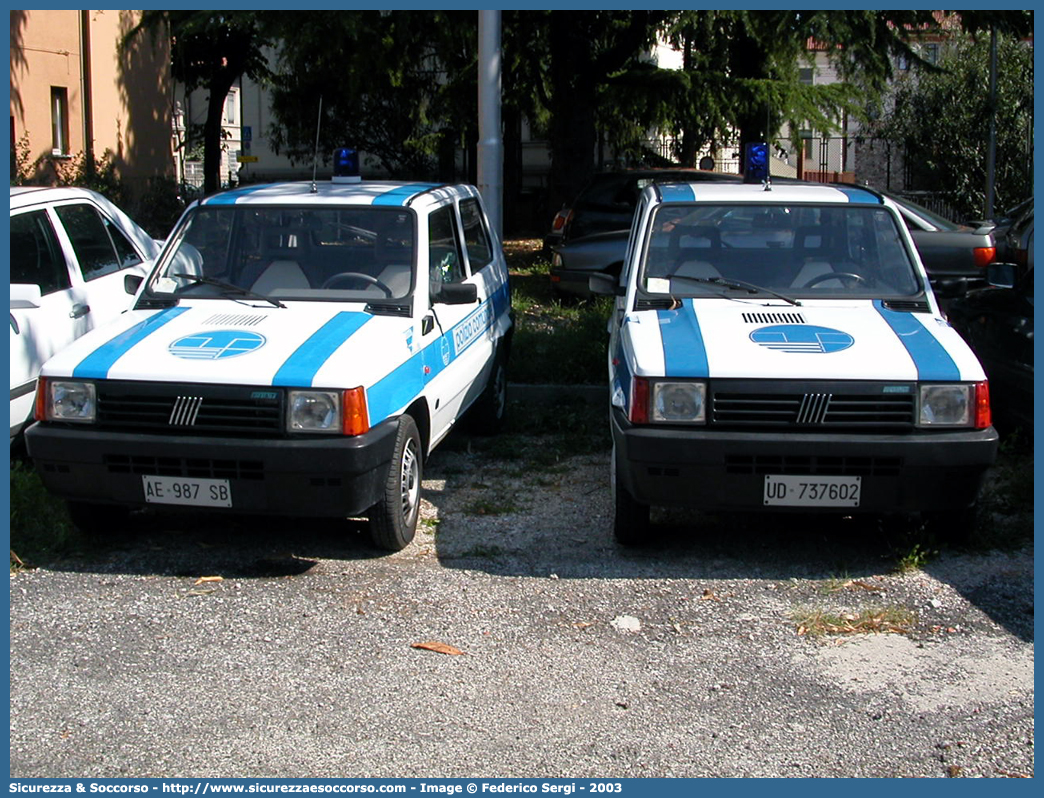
(317, 477)
(710, 470)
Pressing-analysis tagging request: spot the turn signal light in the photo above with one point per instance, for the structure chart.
(983, 417)
(356, 419)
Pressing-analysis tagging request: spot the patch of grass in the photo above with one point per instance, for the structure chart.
(556, 341)
(40, 527)
(488, 506)
(872, 620)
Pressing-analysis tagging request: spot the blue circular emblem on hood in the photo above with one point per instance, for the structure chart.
(802, 338)
(216, 344)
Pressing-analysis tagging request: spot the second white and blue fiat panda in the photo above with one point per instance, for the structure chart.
(778, 347)
(298, 350)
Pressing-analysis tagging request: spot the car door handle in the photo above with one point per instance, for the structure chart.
(79, 311)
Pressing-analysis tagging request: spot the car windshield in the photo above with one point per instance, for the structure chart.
(796, 250)
(332, 253)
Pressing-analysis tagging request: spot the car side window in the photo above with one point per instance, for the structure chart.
(36, 256)
(92, 242)
(476, 236)
(445, 263)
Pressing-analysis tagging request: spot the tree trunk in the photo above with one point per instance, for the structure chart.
(573, 133)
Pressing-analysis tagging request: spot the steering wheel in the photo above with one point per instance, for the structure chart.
(821, 278)
(366, 278)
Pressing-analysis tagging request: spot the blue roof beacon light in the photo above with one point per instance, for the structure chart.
(346, 166)
(756, 162)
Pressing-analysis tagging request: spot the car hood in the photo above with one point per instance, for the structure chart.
(303, 345)
(822, 339)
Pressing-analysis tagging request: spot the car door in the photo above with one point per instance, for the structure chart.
(104, 257)
(459, 340)
(42, 328)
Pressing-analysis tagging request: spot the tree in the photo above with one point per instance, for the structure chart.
(942, 119)
(211, 50)
(400, 86)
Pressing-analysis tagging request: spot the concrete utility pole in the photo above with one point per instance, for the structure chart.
(491, 143)
(991, 148)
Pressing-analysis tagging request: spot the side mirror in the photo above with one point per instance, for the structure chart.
(1002, 275)
(25, 295)
(132, 282)
(457, 294)
(605, 284)
(950, 288)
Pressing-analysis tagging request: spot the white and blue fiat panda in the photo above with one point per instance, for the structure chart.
(777, 347)
(297, 350)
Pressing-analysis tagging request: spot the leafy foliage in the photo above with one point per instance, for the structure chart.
(943, 120)
(398, 85)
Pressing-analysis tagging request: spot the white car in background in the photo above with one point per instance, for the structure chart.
(71, 251)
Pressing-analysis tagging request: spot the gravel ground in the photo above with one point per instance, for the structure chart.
(215, 649)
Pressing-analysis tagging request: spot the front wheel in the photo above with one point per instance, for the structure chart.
(393, 520)
(630, 516)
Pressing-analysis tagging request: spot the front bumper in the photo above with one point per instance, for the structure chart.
(713, 470)
(315, 477)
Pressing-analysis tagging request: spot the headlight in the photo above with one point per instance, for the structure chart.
(947, 406)
(314, 411)
(678, 403)
(70, 401)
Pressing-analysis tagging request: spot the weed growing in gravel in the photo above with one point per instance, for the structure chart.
(915, 559)
(878, 620)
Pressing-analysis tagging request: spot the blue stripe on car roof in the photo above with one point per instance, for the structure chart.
(97, 364)
(402, 194)
(230, 197)
(677, 192)
(859, 195)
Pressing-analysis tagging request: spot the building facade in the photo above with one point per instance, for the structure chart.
(76, 93)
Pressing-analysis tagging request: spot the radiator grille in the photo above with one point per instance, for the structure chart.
(826, 405)
(201, 409)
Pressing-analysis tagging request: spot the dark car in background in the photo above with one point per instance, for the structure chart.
(997, 323)
(608, 200)
(954, 255)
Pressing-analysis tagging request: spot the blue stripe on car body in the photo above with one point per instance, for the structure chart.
(301, 367)
(930, 357)
(395, 390)
(97, 364)
(684, 353)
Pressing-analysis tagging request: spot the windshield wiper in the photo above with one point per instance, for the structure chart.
(750, 288)
(228, 288)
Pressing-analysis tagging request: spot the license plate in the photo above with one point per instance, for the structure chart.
(796, 491)
(180, 490)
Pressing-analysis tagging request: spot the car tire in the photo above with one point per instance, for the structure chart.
(393, 520)
(99, 520)
(630, 516)
(490, 409)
